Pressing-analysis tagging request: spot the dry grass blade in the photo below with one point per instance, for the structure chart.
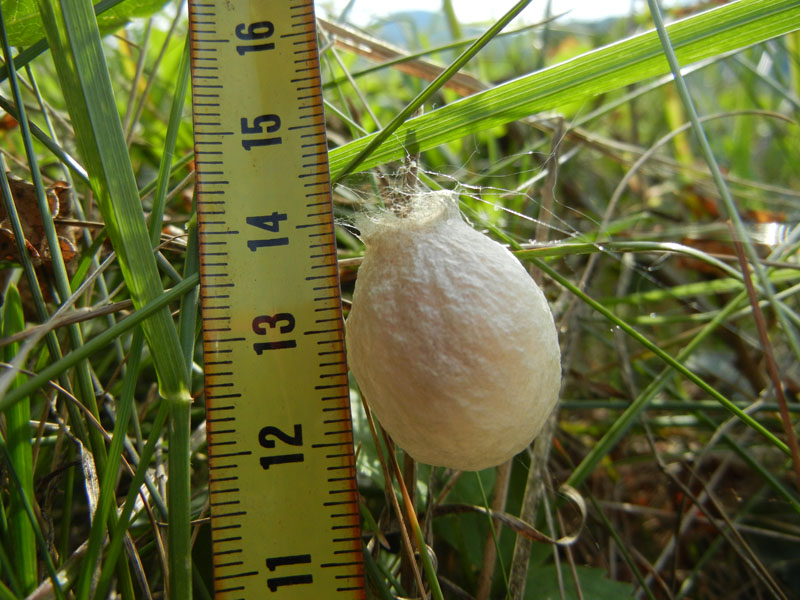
(398, 513)
(729, 532)
(377, 50)
(413, 523)
(772, 367)
(78, 315)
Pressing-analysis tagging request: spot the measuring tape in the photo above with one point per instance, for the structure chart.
(284, 505)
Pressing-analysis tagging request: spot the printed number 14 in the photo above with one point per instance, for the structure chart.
(271, 223)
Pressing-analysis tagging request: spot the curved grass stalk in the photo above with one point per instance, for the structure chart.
(625, 246)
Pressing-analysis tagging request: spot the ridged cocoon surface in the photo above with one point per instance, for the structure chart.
(451, 341)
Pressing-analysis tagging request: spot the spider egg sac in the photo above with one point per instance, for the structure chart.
(451, 341)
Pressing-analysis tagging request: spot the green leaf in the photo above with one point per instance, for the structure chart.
(24, 25)
(731, 27)
(543, 584)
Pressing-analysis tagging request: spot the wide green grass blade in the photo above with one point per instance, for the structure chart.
(78, 53)
(6, 564)
(731, 27)
(5, 593)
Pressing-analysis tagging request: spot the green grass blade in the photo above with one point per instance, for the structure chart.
(625, 420)
(109, 481)
(48, 142)
(374, 141)
(629, 246)
(80, 63)
(179, 490)
(115, 544)
(187, 322)
(85, 391)
(31, 516)
(179, 495)
(728, 28)
(689, 290)
(765, 473)
(22, 252)
(165, 166)
(6, 565)
(428, 51)
(730, 208)
(18, 433)
(74, 36)
(633, 410)
(5, 593)
(83, 376)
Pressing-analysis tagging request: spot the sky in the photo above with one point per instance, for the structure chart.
(475, 11)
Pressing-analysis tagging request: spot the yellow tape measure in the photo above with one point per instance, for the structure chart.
(284, 507)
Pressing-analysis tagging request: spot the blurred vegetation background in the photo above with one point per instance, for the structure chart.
(670, 260)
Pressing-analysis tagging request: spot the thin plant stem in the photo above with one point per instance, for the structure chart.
(109, 481)
(490, 547)
(179, 494)
(427, 564)
(117, 538)
(493, 532)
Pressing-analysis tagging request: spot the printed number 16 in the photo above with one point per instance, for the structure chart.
(261, 30)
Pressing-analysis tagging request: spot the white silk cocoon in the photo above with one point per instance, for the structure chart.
(451, 341)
